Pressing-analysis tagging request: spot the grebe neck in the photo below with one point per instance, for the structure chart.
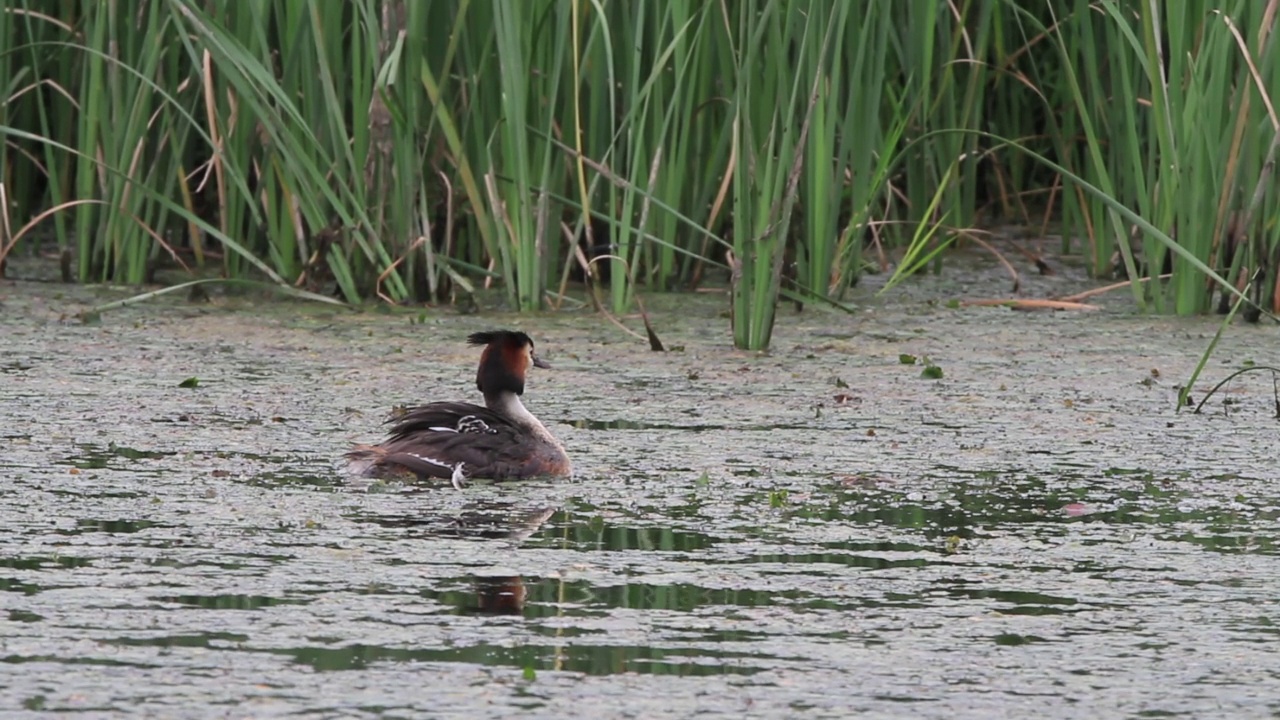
(508, 405)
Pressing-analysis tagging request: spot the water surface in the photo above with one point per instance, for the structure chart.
(816, 531)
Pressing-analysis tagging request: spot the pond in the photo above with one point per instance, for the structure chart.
(821, 530)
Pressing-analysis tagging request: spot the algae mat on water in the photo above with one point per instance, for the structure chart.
(817, 531)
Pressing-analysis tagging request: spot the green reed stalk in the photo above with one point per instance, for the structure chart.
(826, 161)
(409, 210)
(921, 40)
(1188, 61)
(646, 129)
(55, 119)
(1083, 98)
(633, 149)
(91, 106)
(772, 104)
(529, 43)
(466, 126)
(683, 124)
(852, 143)
(700, 143)
(294, 132)
(7, 93)
(121, 247)
(383, 146)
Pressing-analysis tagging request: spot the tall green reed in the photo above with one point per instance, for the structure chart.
(1174, 124)
(773, 104)
(391, 149)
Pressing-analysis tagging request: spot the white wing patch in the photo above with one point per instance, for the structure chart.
(442, 429)
(457, 476)
(433, 461)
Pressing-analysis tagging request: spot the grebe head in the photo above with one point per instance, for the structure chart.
(505, 362)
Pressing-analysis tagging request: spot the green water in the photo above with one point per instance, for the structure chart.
(815, 532)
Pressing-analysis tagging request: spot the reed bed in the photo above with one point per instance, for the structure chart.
(414, 151)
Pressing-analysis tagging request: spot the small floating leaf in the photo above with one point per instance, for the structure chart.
(841, 383)
(777, 498)
(931, 372)
(191, 382)
(905, 359)
(530, 674)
